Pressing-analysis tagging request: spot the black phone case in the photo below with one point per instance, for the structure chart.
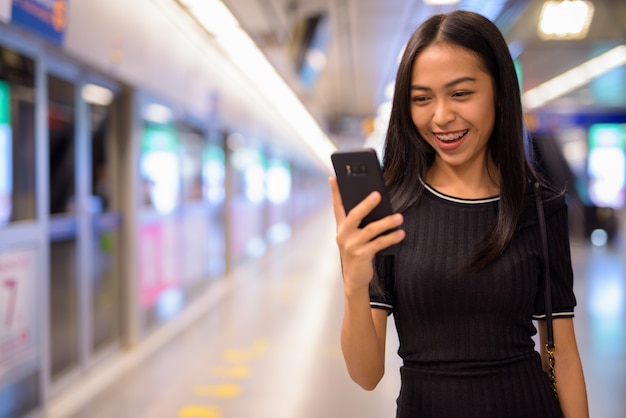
(359, 174)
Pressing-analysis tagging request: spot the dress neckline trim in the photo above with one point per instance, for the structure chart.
(458, 199)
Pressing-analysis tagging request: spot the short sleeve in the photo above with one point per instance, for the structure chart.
(381, 286)
(559, 255)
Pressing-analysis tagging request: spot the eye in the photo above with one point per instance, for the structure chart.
(419, 99)
(461, 94)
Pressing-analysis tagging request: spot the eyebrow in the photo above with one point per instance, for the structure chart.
(447, 85)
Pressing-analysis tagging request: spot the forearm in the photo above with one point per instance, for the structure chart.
(570, 380)
(570, 384)
(362, 348)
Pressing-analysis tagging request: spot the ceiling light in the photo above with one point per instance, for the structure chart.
(157, 113)
(575, 78)
(242, 51)
(97, 95)
(568, 19)
(213, 15)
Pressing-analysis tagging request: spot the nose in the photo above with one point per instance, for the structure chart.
(444, 113)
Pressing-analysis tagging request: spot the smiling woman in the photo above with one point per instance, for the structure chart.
(466, 280)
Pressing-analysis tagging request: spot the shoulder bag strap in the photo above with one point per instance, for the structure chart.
(550, 346)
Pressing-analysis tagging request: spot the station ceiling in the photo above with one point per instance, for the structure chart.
(365, 38)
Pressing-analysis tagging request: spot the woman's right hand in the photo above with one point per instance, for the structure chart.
(357, 246)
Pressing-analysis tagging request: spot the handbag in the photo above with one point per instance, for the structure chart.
(550, 346)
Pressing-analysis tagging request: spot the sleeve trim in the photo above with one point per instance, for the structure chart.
(380, 305)
(555, 315)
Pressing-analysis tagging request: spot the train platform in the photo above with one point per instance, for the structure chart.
(264, 342)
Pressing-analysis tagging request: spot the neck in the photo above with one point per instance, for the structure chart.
(464, 182)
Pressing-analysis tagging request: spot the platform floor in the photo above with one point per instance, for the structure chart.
(265, 343)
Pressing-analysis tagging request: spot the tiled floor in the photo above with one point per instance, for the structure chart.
(268, 346)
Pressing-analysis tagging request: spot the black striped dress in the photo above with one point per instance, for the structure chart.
(466, 339)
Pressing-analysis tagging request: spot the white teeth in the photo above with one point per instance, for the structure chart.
(451, 137)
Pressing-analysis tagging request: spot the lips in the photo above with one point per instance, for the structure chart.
(450, 137)
(449, 141)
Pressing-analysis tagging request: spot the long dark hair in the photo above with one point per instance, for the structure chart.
(407, 156)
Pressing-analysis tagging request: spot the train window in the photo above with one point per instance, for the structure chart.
(62, 152)
(214, 174)
(17, 120)
(193, 145)
(101, 180)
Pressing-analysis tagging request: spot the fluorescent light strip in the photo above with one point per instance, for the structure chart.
(574, 78)
(243, 52)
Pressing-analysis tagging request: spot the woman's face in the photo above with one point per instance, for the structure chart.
(453, 105)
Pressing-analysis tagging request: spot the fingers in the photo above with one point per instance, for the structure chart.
(338, 209)
(374, 236)
(384, 232)
(387, 240)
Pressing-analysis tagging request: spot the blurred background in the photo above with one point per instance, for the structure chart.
(164, 202)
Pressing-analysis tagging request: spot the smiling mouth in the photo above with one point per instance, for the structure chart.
(451, 137)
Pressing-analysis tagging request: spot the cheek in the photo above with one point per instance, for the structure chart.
(421, 123)
(418, 119)
(485, 119)
(488, 108)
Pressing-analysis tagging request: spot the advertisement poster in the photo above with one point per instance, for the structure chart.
(159, 261)
(46, 18)
(18, 309)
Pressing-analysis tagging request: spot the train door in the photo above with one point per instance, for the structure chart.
(84, 222)
(22, 248)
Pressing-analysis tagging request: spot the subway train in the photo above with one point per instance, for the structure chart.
(141, 163)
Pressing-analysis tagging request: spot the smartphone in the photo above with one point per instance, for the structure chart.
(358, 174)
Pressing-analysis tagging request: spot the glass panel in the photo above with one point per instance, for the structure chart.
(102, 176)
(64, 353)
(194, 221)
(63, 305)
(61, 136)
(278, 196)
(106, 314)
(192, 147)
(105, 287)
(214, 194)
(17, 158)
(159, 166)
(247, 204)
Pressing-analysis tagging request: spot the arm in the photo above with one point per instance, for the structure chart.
(363, 329)
(570, 380)
(363, 334)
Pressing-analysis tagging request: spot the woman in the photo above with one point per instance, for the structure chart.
(465, 283)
